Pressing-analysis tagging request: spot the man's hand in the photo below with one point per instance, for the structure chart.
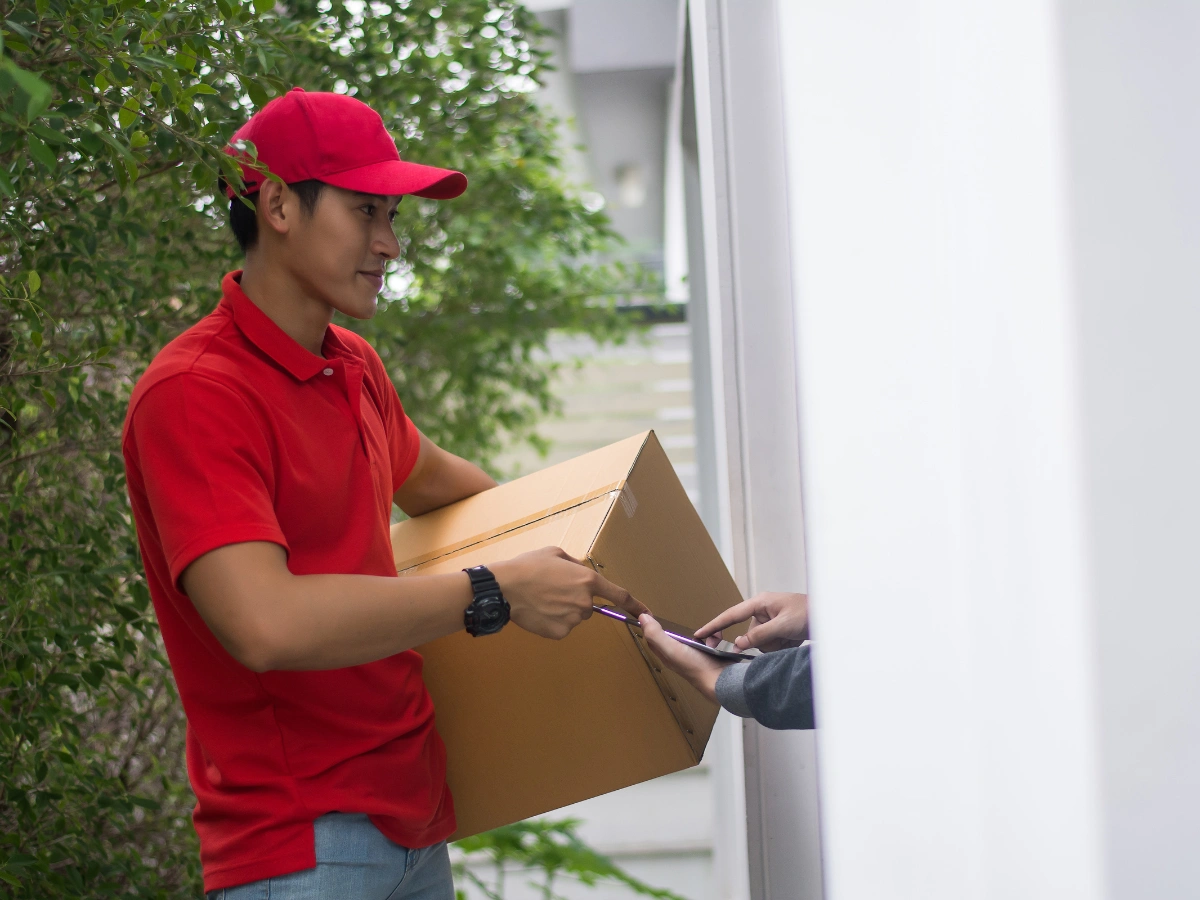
(550, 592)
(780, 621)
(700, 669)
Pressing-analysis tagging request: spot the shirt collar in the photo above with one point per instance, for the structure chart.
(268, 337)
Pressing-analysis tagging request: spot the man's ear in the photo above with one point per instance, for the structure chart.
(276, 207)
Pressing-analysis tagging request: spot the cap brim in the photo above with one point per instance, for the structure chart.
(394, 176)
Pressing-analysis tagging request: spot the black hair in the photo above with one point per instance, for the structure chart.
(244, 225)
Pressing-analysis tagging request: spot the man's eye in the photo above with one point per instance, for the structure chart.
(392, 216)
(368, 209)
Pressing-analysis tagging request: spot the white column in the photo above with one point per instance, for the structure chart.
(943, 449)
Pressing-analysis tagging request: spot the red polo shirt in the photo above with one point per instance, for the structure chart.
(237, 433)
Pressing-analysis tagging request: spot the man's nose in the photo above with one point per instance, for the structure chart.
(386, 243)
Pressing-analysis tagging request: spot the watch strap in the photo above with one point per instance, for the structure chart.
(489, 611)
(482, 580)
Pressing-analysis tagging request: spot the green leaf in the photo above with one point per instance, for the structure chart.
(34, 280)
(16, 26)
(262, 7)
(115, 144)
(38, 93)
(186, 60)
(49, 134)
(199, 88)
(258, 96)
(127, 612)
(39, 151)
(129, 112)
(138, 139)
(90, 143)
(247, 147)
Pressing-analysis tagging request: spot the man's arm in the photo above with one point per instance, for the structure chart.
(775, 689)
(268, 618)
(438, 479)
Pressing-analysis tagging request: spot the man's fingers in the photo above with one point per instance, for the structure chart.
(617, 596)
(739, 613)
(700, 669)
(766, 633)
(669, 650)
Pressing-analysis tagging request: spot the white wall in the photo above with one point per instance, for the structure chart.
(941, 449)
(623, 35)
(623, 122)
(994, 213)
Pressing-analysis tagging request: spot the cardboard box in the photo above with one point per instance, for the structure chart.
(531, 724)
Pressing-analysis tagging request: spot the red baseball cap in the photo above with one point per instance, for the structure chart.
(338, 140)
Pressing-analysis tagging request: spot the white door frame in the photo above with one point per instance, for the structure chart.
(744, 360)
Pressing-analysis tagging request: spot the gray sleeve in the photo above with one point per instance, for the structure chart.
(775, 689)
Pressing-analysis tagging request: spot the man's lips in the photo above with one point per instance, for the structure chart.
(375, 277)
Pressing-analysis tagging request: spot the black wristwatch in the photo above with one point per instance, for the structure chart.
(488, 612)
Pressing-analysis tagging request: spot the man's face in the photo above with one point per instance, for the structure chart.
(340, 251)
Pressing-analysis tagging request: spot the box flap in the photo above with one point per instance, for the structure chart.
(514, 505)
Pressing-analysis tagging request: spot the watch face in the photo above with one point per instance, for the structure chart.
(491, 614)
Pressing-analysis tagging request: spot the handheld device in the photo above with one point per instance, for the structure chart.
(675, 630)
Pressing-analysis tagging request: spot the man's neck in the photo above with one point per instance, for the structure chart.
(286, 302)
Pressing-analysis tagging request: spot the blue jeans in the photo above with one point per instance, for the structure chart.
(356, 862)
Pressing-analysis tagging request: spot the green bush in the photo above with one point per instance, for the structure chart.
(543, 849)
(112, 242)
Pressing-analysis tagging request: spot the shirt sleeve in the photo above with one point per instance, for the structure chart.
(206, 464)
(775, 689)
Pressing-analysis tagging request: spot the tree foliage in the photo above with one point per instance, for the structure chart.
(112, 242)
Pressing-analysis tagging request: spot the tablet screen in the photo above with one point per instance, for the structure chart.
(679, 632)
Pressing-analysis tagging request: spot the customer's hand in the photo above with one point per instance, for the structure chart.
(779, 621)
(549, 592)
(700, 669)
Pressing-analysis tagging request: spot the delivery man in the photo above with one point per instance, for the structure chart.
(264, 448)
